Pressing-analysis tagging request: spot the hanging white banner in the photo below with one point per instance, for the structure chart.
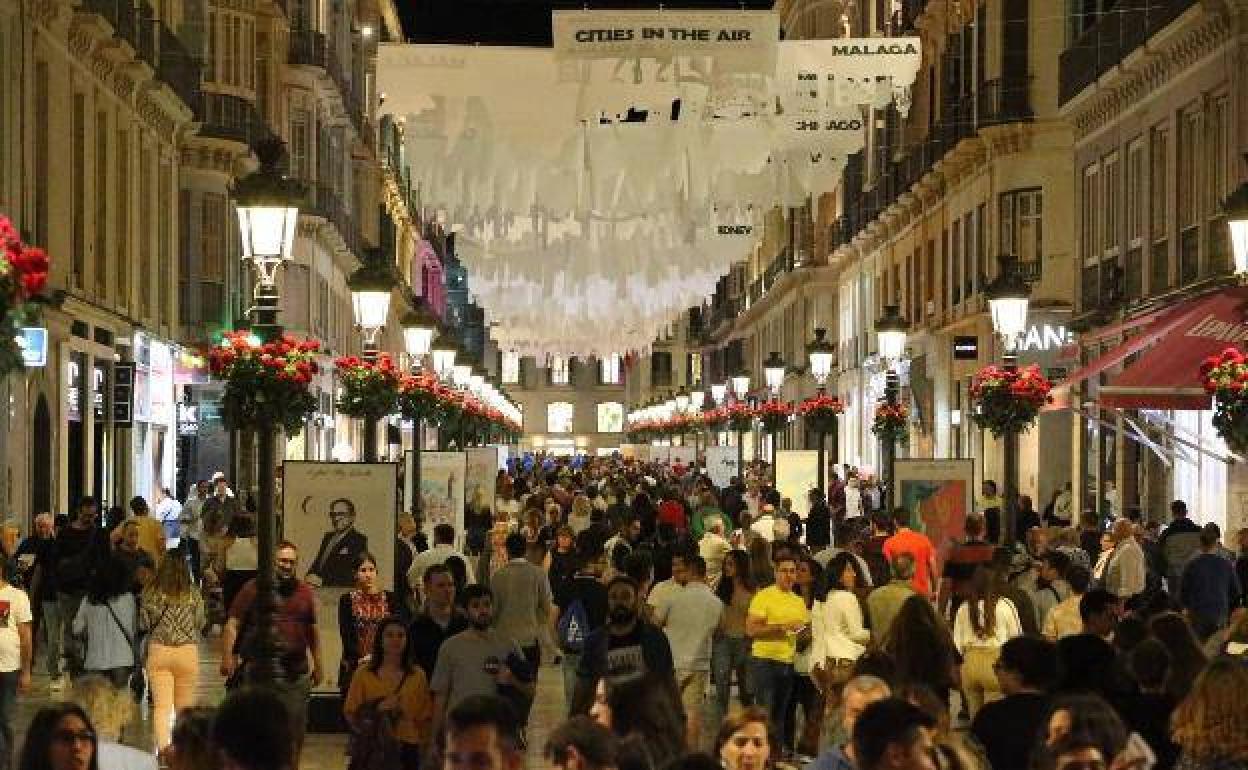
(821, 77)
(740, 41)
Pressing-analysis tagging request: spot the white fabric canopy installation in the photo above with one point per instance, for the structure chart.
(597, 198)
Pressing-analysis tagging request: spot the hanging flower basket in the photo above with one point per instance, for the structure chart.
(740, 417)
(23, 275)
(419, 396)
(774, 415)
(820, 412)
(890, 422)
(715, 419)
(266, 384)
(369, 389)
(1007, 401)
(1225, 377)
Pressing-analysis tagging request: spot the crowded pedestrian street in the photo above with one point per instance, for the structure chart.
(624, 385)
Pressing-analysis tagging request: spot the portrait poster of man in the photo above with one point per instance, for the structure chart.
(334, 513)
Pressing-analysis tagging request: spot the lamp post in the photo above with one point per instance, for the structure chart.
(740, 390)
(773, 374)
(1236, 209)
(820, 354)
(680, 404)
(371, 286)
(1008, 295)
(268, 213)
(890, 331)
(418, 330)
(697, 399)
(461, 374)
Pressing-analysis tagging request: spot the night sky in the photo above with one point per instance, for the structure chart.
(515, 22)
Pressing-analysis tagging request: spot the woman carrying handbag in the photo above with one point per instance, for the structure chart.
(389, 706)
(172, 613)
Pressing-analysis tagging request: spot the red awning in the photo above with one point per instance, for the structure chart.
(1168, 375)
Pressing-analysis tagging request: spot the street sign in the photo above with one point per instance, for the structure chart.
(33, 342)
(123, 394)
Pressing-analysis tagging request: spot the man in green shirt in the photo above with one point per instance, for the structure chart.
(885, 602)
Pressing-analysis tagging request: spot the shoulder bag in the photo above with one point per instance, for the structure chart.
(373, 744)
(138, 676)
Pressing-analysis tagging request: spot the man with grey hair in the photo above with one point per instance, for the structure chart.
(713, 547)
(859, 692)
(885, 602)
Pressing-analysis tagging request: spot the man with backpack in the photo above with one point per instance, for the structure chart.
(580, 608)
(1179, 542)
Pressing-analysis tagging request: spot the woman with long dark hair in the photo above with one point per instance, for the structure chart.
(921, 647)
(983, 623)
(108, 616)
(730, 648)
(1187, 659)
(360, 612)
(840, 633)
(391, 688)
(809, 586)
(648, 709)
(60, 737)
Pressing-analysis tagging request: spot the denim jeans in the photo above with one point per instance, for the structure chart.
(72, 648)
(571, 660)
(729, 655)
(772, 682)
(8, 699)
(52, 622)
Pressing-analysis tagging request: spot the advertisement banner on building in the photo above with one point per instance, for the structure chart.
(441, 489)
(797, 472)
(721, 464)
(481, 468)
(740, 41)
(938, 494)
(160, 383)
(32, 341)
(339, 511)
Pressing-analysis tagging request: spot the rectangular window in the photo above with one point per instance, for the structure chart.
(185, 306)
(1134, 193)
(510, 367)
(1089, 242)
(210, 63)
(956, 250)
(1217, 250)
(609, 369)
(1021, 216)
(660, 369)
(300, 163)
(145, 278)
(1110, 180)
(944, 270)
(981, 240)
(559, 371)
(78, 184)
(559, 417)
(610, 417)
(969, 256)
(99, 259)
(43, 155)
(1190, 161)
(122, 251)
(1158, 179)
(164, 229)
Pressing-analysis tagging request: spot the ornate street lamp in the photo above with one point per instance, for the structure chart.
(719, 390)
(371, 286)
(443, 352)
(268, 214)
(890, 331)
(820, 354)
(1236, 209)
(419, 326)
(1008, 297)
(740, 390)
(773, 373)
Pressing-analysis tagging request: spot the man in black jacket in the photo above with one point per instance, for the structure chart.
(79, 546)
(818, 523)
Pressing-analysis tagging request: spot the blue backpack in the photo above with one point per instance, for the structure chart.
(573, 627)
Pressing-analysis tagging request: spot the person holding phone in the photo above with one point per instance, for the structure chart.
(776, 616)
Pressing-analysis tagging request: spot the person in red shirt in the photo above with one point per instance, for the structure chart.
(916, 544)
(672, 512)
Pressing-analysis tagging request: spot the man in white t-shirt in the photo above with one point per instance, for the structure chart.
(689, 617)
(442, 550)
(765, 525)
(167, 510)
(15, 655)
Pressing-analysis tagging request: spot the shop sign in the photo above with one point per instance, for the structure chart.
(99, 389)
(123, 394)
(73, 389)
(745, 40)
(188, 419)
(1048, 341)
(33, 342)
(966, 348)
(1045, 337)
(160, 383)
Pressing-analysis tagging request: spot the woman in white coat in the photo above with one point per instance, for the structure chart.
(840, 636)
(983, 623)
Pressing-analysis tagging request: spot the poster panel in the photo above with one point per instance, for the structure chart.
(685, 455)
(939, 494)
(659, 454)
(333, 513)
(740, 41)
(628, 451)
(481, 468)
(721, 464)
(442, 491)
(797, 472)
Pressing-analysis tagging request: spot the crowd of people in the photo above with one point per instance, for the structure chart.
(687, 625)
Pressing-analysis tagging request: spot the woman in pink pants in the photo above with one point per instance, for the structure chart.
(172, 613)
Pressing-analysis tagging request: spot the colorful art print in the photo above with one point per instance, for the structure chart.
(939, 494)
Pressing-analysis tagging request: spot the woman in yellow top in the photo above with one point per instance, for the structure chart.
(390, 680)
